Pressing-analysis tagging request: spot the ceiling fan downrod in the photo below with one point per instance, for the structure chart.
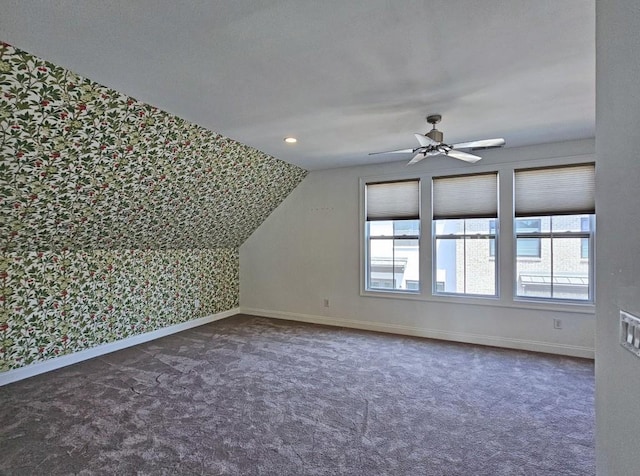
(434, 134)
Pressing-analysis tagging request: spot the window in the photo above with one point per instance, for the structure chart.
(525, 247)
(561, 200)
(393, 233)
(550, 245)
(585, 225)
(413, 285)
(528, 247)
(464, 207)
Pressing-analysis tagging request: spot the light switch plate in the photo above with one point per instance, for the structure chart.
(630, 332)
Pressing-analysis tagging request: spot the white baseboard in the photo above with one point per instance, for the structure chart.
(511, 343)
(495, 341)
(59, 362)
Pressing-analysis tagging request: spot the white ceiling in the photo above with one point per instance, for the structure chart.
(346, 77)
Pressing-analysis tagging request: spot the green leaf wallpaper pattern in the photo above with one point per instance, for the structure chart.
(83, 166)
(55, 303)
(115, 216)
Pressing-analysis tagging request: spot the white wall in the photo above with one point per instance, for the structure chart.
(308, 250)
(618, 208)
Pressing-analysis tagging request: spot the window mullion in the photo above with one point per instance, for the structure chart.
(393, 260)
(551, 257)
(464, 255)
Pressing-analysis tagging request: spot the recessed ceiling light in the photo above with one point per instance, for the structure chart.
(290, 140)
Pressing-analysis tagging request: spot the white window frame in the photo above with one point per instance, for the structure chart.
(576, 203)
(506, 249)
(589, 235)
(367, 240)
(394, 238)
(465, 197)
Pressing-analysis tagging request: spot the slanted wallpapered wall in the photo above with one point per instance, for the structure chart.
(114, 216)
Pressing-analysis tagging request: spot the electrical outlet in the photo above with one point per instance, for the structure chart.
(196, 303)
(557, 323)
(326, 303)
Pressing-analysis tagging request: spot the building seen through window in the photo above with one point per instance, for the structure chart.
(394, 259)
(562, 269)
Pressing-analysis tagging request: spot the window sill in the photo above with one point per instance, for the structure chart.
(491, 301)
(543, 303)
(393, 292)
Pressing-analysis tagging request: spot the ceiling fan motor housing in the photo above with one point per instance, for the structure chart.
(435, 135)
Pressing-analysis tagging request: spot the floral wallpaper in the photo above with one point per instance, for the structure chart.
(115, 217)
(84, 166)
(54, 303)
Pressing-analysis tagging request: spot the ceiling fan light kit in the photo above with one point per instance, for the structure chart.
(432, 144)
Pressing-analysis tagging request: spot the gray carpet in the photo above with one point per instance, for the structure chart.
(254, 396)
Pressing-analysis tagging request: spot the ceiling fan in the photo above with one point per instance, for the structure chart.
(432, 144)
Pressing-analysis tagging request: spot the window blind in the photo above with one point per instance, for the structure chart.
(466, 196)
(398, 200)
(566, 190)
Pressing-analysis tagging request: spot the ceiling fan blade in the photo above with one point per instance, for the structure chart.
(399, 151)
(479, 143)
(425, 141)
(458, 154)
(417, 158)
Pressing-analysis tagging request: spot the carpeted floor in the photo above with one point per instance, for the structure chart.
(254, 396)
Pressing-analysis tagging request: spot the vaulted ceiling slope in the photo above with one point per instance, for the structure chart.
(344, 77)
(85, 167)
